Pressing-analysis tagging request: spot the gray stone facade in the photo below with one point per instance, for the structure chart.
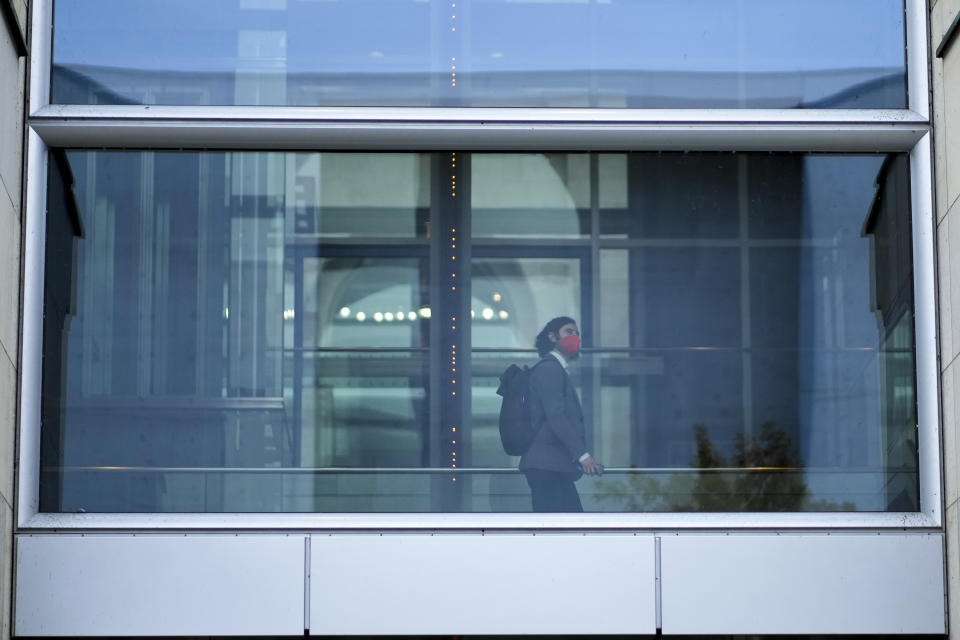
(946, 121)
(12, 85)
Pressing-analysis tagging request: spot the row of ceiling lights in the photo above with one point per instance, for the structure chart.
(389, 316)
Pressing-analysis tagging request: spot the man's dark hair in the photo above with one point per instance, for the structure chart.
(543, 344)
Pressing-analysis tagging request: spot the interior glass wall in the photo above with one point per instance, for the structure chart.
(479, 53)
(324, 332)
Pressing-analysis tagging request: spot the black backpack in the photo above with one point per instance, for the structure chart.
(516, 411)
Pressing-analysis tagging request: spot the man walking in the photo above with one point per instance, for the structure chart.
(558, 455)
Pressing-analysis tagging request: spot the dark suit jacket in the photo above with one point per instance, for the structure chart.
(561, 437)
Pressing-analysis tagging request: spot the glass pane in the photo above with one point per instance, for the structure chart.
(534, 53)
(774, 349)
(364, 409)
(359, 301)
(530, 195)
(672, 196)
(510, 297)
(278, 332)
(333, 194)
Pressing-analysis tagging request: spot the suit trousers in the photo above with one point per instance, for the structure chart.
(553, 491)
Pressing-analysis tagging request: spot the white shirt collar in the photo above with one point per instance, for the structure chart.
(559, 356)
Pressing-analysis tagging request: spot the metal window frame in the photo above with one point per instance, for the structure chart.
(468, 129)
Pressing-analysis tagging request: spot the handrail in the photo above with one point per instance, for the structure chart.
(458, 470)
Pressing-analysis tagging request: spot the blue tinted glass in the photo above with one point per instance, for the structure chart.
(327, 331)
(535, 53)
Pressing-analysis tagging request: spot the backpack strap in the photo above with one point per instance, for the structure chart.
(550, 358)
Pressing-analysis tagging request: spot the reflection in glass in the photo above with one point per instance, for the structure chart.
(324, 332)
(363, 410)
(540, 195)
(362, 383)
(553, 53)
(509, 296)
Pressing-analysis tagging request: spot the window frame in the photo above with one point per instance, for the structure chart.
(116, 127)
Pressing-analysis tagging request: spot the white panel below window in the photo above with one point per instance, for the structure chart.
(201, 585)
(453, 584)
(802, 584)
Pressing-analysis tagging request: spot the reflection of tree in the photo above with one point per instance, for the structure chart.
(771, 480)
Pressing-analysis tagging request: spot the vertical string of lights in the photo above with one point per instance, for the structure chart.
(453, 258)
(453, 59)
(451, 220)
(453, 317)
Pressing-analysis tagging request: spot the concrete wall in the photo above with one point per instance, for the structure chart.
(946, 120)
(12, 88)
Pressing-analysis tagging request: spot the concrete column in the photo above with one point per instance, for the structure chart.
(946, 123)
(12, 100)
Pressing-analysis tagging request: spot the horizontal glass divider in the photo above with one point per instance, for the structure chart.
(110, 133)
(612, 242)
(227, 113)
(539, 242)
(120, 403)
(314, 239)
(629, 243)
(832, 522)
(461, 470)
(602, 350)
(351, 349)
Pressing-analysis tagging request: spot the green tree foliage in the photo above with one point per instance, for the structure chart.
(765, 474)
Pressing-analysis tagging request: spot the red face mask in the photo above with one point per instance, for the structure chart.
(570, 346)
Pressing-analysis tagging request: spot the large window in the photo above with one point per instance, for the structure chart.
(290, 247)
(243, 331)
(481, 53)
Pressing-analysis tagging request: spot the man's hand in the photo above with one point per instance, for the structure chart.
(590, 467)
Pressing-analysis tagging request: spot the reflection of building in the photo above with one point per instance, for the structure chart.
(830, 89)
(891, 297)
(744, 267)
(252, 359)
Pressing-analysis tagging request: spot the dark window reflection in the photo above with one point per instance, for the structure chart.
(325, 331)
(618, 54)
